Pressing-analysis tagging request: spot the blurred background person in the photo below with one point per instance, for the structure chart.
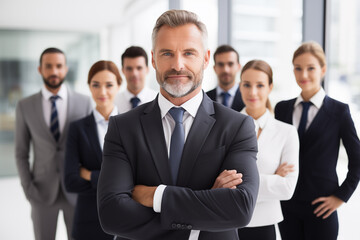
(84, 150)
(322, 122)
(227, 65)
(135, 68)
(42, 122)
(278, 155)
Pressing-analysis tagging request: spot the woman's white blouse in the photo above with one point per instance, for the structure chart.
(278, 143)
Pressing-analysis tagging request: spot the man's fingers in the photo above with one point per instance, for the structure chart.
(228, 179)
(233, 184)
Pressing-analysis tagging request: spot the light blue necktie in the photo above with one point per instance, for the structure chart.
(177, 142)
(54, 120)
(303, 120)
(225, 98)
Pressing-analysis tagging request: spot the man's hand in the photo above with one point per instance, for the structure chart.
(144, 195)
(328, 205)
(85, 174)
(228, 179)
(284, 169)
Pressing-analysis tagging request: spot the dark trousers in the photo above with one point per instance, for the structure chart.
(300, 222)
(257, 233)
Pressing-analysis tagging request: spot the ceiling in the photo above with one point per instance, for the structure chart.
(78, 15)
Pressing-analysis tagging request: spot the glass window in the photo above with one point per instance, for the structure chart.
(19, 59)
(343, 53)
(271, 31)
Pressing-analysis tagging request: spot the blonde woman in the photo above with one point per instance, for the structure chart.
(322, 122)
(278, 152)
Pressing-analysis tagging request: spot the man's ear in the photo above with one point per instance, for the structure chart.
(207, 58)
(152, 59)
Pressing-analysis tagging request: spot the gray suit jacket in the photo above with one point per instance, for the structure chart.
(135, 153)
(42, 180)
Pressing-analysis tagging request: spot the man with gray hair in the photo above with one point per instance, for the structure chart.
(181, 166)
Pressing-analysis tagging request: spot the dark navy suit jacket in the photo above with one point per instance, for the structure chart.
(83, 149)
(319, 150)
(135, 153)
(237, 104)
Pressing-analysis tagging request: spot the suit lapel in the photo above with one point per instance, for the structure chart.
(70, 110)
(319, 123)
(237, 104)
(196, 138)
(289, 112)
(212, 94)
(91, 132)
(39, 111)
(154, 135)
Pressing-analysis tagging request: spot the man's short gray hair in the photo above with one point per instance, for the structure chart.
(175, 18)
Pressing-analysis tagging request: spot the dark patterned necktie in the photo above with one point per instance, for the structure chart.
(225, 98)
(134, 102)
(54, 120)
(177, 141)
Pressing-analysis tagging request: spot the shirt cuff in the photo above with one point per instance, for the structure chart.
(158, 198)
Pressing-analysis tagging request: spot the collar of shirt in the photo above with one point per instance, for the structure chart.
(100, 118)
(140, 95)
(47, 94)
(261, 121)
(231, 91)
(191, 106)
(317, 100)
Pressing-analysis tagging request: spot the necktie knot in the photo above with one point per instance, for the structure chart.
(177, 114)
(54, 98)
(134, 101)
(225, 98)
(306, 105)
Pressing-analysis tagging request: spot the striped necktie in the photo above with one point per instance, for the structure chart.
(54, 120)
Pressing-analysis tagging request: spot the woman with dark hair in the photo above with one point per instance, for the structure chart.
(278, 152)
(84, 150)
(322, 122)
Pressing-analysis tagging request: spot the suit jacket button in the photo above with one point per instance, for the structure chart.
(178, 226)
(189, 227)
(173, 225)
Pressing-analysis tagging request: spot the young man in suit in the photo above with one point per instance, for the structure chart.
(135, 68)
(181, 166)
(227, 65)
(42, 121)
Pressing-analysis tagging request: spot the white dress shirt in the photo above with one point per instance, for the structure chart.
(191, 107)
(232, 92)
(278, 143)
(102, 124)
(61, 106)
(122, 100)
(317, 101)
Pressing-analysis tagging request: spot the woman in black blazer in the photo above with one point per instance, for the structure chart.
(84, 150)
(322, 122)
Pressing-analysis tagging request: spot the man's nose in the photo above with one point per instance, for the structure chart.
(178, 62)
